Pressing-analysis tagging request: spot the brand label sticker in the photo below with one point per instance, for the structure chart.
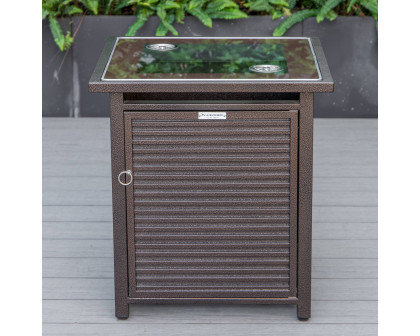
(211, 115)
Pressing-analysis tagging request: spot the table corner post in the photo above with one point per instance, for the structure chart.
(305, 205)
(119, 207)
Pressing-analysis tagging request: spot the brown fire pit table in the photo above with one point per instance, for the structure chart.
(211, 144)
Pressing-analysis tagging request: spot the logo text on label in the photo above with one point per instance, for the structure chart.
(211, 115)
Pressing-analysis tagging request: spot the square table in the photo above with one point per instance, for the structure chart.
(211, 145)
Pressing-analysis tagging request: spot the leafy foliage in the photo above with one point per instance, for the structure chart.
(91, 5)
(372, 6)
(51, 9)
(293, 19)
(327, 9)
(141, 20)
(174, 11)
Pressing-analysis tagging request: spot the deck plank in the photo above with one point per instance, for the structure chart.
(68, 194)
(102, 311)
(325, 214)
(103, 268)
(103, 230)
(100, 183)
(102, 248)
(195, 329)
(103, 289)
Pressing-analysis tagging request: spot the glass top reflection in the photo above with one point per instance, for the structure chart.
(211, 58)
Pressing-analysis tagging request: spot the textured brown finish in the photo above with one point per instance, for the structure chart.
(219, 210)
(198, 86)
(290, 300)
(213, 106)
(212, 210)
(305, 205)
(211, 97)
(119, 206)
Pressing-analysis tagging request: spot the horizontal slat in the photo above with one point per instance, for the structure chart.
(223, 171)
(204, 263)
(280, 252)
(250, 269)
(206, 176)
(210, 158)
(220, 145)
(207, 285)
(209, 140)
(200, 229)
(215, 292)
(210, 105)
(232, 210)
(210, 123)
(204, 278)
(245, 134)
(206, 167)
(184, 149)
(212, 283)
(179, 238)
(213, 246)
(218, 185)
(208, 193)
(137, 132)
(263, 201)
(244, 137)
(283, 219)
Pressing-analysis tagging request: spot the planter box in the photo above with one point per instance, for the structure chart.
(350, 45)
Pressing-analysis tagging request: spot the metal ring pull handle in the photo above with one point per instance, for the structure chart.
(127, 172)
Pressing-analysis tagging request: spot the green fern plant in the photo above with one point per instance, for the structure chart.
(293, 19)
(174, 11)
(52, 9)
(323, 9)
(91, 5)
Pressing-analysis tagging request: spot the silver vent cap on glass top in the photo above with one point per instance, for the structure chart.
(265, 68)
(161, 46)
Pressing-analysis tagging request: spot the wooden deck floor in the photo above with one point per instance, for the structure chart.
(77, 243)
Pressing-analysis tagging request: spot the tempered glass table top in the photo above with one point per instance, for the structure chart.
(189, 59)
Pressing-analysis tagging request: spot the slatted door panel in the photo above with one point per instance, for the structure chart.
(212, 208)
